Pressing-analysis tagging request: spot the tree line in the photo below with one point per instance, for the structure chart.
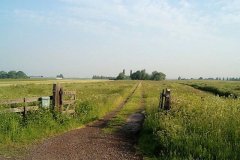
(217, 78)
(13, 75)
(103, 77)
(142, 75)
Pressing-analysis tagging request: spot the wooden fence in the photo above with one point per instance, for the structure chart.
(61, 101)
(165, 100)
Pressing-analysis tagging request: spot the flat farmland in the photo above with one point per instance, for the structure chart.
(221, 88)
(10, 82)
(200, 124)
(94, 100)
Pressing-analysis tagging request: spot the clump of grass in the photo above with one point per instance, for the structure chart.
(85, 112)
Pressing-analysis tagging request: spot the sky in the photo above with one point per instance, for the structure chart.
(81, 38)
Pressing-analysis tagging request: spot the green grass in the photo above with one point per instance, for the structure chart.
(95, 99)
(134, 105)
(221, 88)
(199, 125)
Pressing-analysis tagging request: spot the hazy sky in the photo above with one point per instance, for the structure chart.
(80, 38)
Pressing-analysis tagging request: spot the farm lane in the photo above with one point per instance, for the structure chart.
(89, 143)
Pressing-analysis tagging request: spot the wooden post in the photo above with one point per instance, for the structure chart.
(24, 108)
(54, 100)
(57, 99)
(165, 100)
(167, 104)
(24, 111)
(161, 100)
(60, 100)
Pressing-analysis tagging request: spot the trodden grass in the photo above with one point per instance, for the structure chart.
(135, 104)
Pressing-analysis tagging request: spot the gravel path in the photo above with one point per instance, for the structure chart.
(90, 143)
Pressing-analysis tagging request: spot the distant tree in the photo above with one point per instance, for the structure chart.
(158, 76)
(179, 78)
(103, 77)
(60, 76)
(144, 75)
(124, 72)
(12, 74)
(21, 74)
(121, 76)
(3, 75)
(136, 75)
(140, 75)
(200, 78)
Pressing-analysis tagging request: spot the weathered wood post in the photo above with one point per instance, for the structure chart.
(57, 97)
(165, 100)
(161, 100)
(24, 107)
(24, 110)
(167, 104)
(61, 99)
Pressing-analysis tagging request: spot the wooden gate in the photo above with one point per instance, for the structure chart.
(63, 101)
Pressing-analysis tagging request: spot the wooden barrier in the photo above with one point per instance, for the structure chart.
(165, 100)
(58, 102)
(57, 97)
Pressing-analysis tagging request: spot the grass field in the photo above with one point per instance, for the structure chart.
(94, 100)
(221, 88)
(14, 82)
(200, 125)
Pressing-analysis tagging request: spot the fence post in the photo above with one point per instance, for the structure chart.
(57, 97)
(165, 100)
(61, 99)
(161, 99)
(167, 104)
(24, 109)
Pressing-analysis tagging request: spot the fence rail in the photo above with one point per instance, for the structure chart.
(57, 99)
(20, 109)
(20, 100)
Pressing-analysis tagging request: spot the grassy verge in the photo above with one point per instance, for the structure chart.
(94, 101)
(199, 125)
(221, 88)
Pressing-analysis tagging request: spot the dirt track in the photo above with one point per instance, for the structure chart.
(89, 143)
